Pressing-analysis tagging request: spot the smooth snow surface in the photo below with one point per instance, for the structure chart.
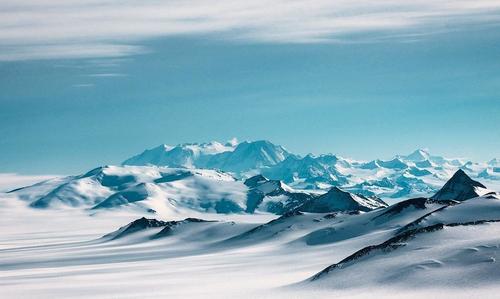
(65, 253)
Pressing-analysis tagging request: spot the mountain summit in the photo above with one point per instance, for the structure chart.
(185, 155)
(418, 156)
(460, 187)
(247, 156)
(338, 200)
(230, 157)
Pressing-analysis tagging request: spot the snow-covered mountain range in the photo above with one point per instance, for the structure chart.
(254, 177)
(173, 191)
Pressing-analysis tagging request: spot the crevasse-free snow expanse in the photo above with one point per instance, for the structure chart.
(251, 220)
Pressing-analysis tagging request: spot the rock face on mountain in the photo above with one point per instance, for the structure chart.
(460, 187)
(171, 225)
(337, 200)
(135, 226)
(273, 196)
(143, 224)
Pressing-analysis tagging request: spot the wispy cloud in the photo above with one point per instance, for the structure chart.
(48, 29)
(107, 75)
(83, 85)
(9, 181)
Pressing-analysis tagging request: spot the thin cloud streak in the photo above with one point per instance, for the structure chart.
(53, 29)
(9, 181)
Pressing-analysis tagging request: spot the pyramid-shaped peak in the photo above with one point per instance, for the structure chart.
(255, 181)
(459, 187)
(461, 177)
(336, 189)
(336, 200)
(418, 155)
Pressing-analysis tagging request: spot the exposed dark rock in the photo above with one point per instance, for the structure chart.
(135, 226)
(171, 225)
(336, 200)
(460, 187)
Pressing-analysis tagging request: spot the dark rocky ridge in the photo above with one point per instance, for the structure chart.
(460, 187)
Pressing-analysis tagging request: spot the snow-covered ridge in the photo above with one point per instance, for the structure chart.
(172, 192)
(177, 191)
(417, 174)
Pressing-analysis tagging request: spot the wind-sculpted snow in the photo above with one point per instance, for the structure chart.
(451, 237)
(420, 257)
(476, 209)
(387, 246)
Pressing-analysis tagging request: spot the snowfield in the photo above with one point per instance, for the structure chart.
(159, 232)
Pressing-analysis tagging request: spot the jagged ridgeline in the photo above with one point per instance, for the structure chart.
(418, 173)
(254, 177)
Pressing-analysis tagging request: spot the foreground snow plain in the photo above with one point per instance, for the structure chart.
(60, 253)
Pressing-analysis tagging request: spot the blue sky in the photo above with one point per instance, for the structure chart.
(91, 82)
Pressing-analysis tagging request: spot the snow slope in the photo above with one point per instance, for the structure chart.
(457, 246)
(147, 188)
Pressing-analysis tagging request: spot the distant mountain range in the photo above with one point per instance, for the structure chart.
(173, 191)
(230, 157)
(418, 173)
